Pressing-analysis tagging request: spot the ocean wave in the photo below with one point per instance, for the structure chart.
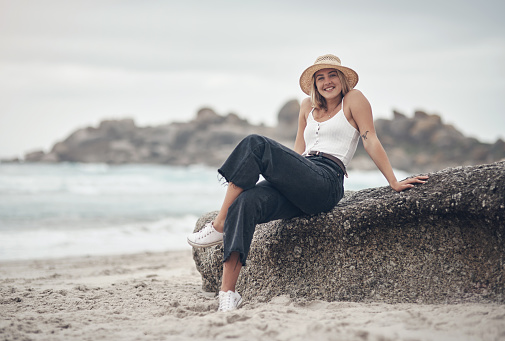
(56, 210)
(162, 235)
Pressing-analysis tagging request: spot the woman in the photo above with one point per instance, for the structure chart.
(308, 180)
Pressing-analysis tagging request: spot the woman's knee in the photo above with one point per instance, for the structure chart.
(254, 140)
(254, 137)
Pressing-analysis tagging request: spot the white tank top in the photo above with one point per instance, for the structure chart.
(335, 136)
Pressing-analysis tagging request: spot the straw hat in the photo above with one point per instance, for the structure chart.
(328, 61)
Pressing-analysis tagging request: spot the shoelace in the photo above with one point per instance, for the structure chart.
(205, 232)
(226, 303)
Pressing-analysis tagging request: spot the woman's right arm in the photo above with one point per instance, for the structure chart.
(305, 108)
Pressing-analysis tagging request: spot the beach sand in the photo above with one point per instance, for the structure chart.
(158, 296)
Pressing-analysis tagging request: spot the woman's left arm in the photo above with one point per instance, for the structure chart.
(361, 113)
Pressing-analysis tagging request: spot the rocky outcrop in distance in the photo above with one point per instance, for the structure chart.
(440, 242)
(423, 143)
(416, 144)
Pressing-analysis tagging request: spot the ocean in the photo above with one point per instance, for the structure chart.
(73, 209)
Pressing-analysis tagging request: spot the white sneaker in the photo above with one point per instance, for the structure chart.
(229, 300)
(208, 236)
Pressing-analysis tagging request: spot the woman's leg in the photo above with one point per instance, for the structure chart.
(212, 233)
(258, 205)
(232, 192)
(294, 184)
(231, 270)
(309, 184)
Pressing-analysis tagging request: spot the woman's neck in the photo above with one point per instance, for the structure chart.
(333, 103)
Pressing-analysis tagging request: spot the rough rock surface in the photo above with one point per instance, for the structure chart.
(441, 242)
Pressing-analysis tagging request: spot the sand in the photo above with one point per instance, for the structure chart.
(158, 296)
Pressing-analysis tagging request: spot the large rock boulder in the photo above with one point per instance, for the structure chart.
(441, 242)
(208, 139)
(422, 143)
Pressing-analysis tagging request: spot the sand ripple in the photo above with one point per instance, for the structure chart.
(158, 297)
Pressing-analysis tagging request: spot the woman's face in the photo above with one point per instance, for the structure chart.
(327, 83)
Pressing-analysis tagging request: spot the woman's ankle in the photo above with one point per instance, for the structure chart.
(218, 225)
(226, 289)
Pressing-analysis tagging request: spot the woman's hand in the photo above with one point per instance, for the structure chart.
(408, 183)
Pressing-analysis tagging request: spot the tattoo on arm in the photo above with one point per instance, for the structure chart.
(364, 135)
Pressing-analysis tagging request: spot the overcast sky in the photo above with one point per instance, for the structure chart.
(70, 64)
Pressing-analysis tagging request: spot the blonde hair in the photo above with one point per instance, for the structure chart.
(318, 101)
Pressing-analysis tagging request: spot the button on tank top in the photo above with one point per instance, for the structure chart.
(335, 136)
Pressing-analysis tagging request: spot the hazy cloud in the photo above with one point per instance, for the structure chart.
(66, 64)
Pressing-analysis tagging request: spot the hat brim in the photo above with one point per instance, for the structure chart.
(306, 77)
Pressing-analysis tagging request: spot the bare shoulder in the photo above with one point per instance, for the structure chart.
(358, 109)
(355, 96)
(356, 101)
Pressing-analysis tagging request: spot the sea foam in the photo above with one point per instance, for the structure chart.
(57, 210)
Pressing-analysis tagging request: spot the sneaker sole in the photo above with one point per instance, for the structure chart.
(204, 245)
